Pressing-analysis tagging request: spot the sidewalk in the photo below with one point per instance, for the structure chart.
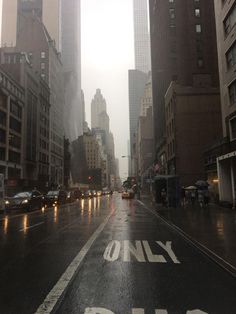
(213, 227)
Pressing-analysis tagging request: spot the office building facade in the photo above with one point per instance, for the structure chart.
(183, 49)
(141, 36)
(225, 12)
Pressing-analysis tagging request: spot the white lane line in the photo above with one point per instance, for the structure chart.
(57, 292)
(30, 227)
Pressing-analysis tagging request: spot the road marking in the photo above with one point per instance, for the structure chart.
(152, 257)
(115, 248)
(55, 295)
(30, 227)
(137, 251)
(112, 251)
(169, 250)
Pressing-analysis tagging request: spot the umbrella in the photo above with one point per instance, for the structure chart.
(191, 187)
(202, 183)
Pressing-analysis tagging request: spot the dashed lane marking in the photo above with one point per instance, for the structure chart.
(33, 226)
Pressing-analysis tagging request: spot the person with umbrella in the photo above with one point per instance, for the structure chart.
(203, 187)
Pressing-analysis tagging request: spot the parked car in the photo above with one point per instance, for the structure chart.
(99, 193)
(29, 200)
(94, 193)
(55, 197)
(127, 193)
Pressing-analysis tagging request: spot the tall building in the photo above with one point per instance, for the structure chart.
(9, 23)
(45, 59)
(141, 36)
(137, 81)
(98, 105)
(35, 118)
(12, 103)
(71, 59)
(225, 12)
(138, 76)
(42, 8)
(183, 49)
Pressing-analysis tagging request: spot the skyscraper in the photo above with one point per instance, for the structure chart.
(71, 59)
(98, 105)
(42, 8)
(141, 36)
(138, 76)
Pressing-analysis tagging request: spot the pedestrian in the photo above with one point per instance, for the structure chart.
(200, 198)
(183, 196)
(193, 197)
(163, 197)
(206, 197)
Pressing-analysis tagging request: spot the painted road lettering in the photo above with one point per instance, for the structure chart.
(100, 310)
(137, 250)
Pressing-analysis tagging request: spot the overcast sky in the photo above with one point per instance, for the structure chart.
(107, 54)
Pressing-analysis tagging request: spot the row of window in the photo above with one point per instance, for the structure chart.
(230, 20)
(13, 157)
(10, 86)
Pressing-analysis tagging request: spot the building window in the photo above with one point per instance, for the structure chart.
(43, 54)
(15, 125)
(2, 154)
(14, 157)
(198, 28)
(2, 136)
(231, 56)
(232, 93)
(233, 128)
(230, 20)
(16, 109)
(2, 118)
(197, 13)
(172, 13)
(42, 66)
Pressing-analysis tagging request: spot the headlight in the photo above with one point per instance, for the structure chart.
(7, 202)
(25, 202)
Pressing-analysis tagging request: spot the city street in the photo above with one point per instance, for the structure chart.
(103, 256)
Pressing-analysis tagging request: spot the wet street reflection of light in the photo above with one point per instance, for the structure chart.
(90, 205)
(220, 228)
(82, 204)
(5, 224)
(89, 211)
(25, 223)
(55, 214)
(43, 209)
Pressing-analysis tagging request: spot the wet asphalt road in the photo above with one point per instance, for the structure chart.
(136, 264)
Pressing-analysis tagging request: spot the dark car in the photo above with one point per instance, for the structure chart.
(87, 194)
(57, 197)
(29, 200)
(70, 197)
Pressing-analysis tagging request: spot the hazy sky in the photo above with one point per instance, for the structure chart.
(107, 54)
